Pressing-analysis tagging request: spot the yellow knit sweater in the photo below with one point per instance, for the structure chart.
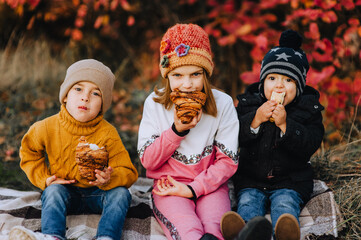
(57, 137)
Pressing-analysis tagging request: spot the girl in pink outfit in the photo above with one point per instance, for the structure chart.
(189, 162)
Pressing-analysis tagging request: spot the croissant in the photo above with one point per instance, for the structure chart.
(278, 97)
(90, 157)
(187, 104)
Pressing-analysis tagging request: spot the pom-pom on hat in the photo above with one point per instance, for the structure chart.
(287, 59)
(185, 44)
(93, 71)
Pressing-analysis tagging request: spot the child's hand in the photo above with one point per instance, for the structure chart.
(171, 187)
(103, 177)
(184, 127)
(264, 112)
(279, 115)
(54, 180)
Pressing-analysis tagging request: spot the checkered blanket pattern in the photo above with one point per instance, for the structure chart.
(320, 216)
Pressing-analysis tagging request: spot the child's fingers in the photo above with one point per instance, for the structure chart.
(50, 180)
(102, 177)
(171, 180)
(273, 102)
(159, 192)
(279, 109)
(199, 116)
(167, 183)
(62, 181)
(100, 174)
(108, 170)
(164, 185)
(69, 182)
(155, 191)
(194, 122)
(159, 186)
(176, 119)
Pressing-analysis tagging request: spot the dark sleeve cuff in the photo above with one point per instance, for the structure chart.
(193, 193)
(181, 134)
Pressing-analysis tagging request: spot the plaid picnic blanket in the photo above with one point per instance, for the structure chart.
(320, 216)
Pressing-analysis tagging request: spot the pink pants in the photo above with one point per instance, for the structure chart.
(182, 218)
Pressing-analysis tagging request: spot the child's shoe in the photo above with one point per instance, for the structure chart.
(287, 228)
(231, 224)
(258, 228)
(21, 233)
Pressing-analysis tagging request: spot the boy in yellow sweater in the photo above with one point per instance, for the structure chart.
(85, 96)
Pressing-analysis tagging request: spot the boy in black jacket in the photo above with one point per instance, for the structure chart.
(277, 139)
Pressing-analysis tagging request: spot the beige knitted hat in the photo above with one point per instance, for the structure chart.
(185, 44)
(93, 71)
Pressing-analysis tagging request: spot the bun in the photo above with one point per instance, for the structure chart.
(279, 98)
(187, 104)
(90, 157)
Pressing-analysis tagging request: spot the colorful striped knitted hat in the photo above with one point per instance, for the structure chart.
(287, 59)
(185, 44)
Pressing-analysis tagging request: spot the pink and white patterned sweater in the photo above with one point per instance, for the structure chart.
(204, 159)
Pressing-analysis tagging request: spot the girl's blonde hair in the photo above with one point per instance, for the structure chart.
(163, 95)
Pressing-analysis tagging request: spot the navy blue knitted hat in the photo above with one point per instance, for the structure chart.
(287, 59)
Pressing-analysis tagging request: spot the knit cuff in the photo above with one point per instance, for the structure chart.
(181, 134)
(193, 193)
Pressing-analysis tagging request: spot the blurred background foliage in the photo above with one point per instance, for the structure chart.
(39, 39)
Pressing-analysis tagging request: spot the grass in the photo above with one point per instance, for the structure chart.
(340, 168)
(348, 195)
(11, 176)
(29, 85)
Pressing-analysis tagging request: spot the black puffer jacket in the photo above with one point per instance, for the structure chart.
(269, 161)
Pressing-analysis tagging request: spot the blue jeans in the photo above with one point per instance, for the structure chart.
(59, 200)
(253, 202)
